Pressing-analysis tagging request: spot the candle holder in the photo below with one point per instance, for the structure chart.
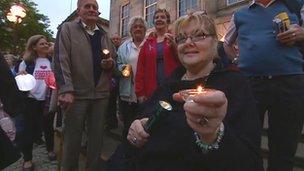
(126, 72)
(154, 119)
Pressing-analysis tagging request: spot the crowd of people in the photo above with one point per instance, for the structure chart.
(101, 80)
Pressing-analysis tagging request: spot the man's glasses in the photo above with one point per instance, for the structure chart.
(181, 39)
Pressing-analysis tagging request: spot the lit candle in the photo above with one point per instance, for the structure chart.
(106, 53)
(188, 93)
(127, 70)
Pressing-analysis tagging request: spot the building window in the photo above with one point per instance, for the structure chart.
(125, 15)
(230, 2)
(150, 8)
(186, 5)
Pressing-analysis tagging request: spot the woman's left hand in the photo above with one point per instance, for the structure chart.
(205, 112)
(137, 136)
(170, 40)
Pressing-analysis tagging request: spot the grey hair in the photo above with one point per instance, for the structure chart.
(134, 19)
(79, 3)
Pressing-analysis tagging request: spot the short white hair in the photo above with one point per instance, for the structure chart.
(135, 19)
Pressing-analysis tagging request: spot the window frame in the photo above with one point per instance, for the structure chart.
(124, 33)
(145, 12)
(178, 7)
(237, 1)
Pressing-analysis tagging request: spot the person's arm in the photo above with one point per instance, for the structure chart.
(62, 59)
(238, 144)
(22, 68)
(120, 61)
(229, 39)
(62, 67)
(140, 73)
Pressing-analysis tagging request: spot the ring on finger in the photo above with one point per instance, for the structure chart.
(134, 140)
(203, 121)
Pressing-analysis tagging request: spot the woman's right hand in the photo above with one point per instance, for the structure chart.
(205, 113)
(23, 72)
(137, 136)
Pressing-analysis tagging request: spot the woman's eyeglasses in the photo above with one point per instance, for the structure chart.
(194, 38)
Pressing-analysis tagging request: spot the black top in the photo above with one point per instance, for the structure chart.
(12, 104)
(96, 54)
(171, 145)
(9, 93)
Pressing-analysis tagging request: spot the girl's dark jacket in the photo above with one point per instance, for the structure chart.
(10, 98)
(171, 145)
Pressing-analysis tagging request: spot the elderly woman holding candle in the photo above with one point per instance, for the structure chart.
(212, 128)
(127, 64)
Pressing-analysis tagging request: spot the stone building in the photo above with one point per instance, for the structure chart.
(122, 10)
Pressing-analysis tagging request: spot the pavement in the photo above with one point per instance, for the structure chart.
(42, 162)
(40, 159)
(111, 140)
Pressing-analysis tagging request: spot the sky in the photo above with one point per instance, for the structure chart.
(59, 10)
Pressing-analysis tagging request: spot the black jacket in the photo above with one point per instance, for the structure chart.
(172, 144)
(9, 96)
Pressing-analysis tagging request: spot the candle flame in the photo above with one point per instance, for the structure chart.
(105, 51)
(126, 73)
(199, 89)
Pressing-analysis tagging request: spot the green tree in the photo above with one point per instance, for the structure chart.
(14, 36)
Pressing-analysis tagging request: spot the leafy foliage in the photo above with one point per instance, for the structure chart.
(14, 36)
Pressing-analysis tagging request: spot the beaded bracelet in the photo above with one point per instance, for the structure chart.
(206, 147)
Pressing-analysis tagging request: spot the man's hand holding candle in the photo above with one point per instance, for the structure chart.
(107, 62)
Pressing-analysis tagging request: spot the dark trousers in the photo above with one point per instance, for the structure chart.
(283, 98)
(128, 111)
(111, 119)
(49, 131)
(93, 112)
(33, 121)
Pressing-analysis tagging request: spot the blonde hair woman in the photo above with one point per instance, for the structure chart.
(35, 62)
(215, 130)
